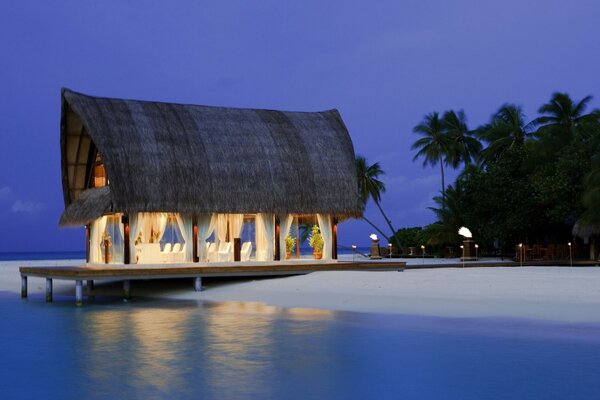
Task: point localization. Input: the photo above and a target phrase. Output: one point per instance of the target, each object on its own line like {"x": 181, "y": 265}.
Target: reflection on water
{"x": 242, "y": 350}
{"x": 148, "y": 344}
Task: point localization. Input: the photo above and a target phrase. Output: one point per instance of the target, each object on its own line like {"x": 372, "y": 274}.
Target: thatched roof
{"x": 199, "y": 159}
{"x": 584, "y": 230}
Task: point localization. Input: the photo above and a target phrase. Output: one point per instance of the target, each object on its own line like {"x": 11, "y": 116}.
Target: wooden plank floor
{"x": 124, "y": 271}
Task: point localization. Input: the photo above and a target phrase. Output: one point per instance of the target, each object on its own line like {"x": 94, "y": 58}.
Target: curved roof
{"x": 198, "y": 159}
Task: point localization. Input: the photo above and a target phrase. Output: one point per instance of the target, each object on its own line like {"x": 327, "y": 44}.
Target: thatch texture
{"x": 198, "y": 159}
{"x": 91, "y": 204}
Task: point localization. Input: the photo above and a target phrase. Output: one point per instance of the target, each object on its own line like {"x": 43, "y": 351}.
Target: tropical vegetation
{"x": 520, "y": 180}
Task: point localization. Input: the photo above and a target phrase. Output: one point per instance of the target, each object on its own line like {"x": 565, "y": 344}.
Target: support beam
{"x": 277, "y": 236}
{"x": 24, "y": 286}
{"x": 126, "y": 245}
{"x": 87, "y": 243}
{"x": 126, "y": 290}
{"x": 237, "y": 249}
{"x": 198, "y": 284}
{"x": 334, "y": 243}
{"x": 48, "y": 290}
{"x": 195, "y": 238}
{"x": 78, "y": 292}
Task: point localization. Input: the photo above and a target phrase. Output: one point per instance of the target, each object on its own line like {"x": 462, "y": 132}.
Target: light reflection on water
{"x": 236, "y": 350}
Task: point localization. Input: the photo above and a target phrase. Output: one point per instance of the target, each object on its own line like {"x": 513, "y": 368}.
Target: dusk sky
{"x": 383, "y": 65}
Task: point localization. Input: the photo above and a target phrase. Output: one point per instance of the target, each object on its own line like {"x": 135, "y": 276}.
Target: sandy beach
{"x": 548, "y": 293}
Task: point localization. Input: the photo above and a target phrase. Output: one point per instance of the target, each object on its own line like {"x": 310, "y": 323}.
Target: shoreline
{"x": 561, "y": 294}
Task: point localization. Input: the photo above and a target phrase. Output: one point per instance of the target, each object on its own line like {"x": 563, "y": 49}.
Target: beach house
{"x": 157, "y": 182}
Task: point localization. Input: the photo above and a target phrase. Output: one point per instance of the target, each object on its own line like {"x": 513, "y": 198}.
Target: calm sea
{"x": 156, "y": 349}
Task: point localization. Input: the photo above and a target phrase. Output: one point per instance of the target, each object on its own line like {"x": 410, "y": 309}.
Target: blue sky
{"x": 383, "y": 66}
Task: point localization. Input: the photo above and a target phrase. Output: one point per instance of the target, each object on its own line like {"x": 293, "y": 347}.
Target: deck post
{"x": 195, "y": 257}
{"x": 126, "y": 247}
{"x": 87, "y": 243}
{"x": 78, "y": 292}
{"x": 90, "y": 285}
{"x": 198, "y": 284}
{"x": 277, "y": 236}
{"x": 334, "y": 244}
{"x": 48, "y": 290}
{"x": 126, "y": 290}
{"x": 24, "y": 286}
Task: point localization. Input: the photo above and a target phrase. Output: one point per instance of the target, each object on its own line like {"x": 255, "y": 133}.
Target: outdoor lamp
{"x": 373, "y": 237}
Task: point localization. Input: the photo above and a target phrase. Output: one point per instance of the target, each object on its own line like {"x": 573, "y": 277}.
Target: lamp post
{"x": 570, "y": 254}
{"x": 390, "y": 250}
{"x": 521, "y": 253}
{"x": 423, "y": 251}
{"x": 463, "y": 254}
{"x": 353, "y": 253}
{"x": 476, "y": 251}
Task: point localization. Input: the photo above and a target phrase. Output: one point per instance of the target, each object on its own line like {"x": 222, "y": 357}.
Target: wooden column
{"x": 277, "y": 235}
{"x": 297, "y": 238}
{"x": 237, "y": 249}
{"x": 126, "y": 245}
{"x": 87, "y": 243}
{"x": 334, "y": 238}
{"x": 195, "y": 238}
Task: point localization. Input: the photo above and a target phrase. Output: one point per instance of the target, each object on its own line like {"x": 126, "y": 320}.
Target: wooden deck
{"x": 128, "y": 272}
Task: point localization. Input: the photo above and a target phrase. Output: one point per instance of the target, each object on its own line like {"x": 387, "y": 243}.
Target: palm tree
{"x": 507, "y": 129}
{"x": 562, "y": 118}
{"x": 464, "y": 146}
{"x": 435, "y": 146}
{"x": 370, "y": 187}
{"x": 449, "y": 216}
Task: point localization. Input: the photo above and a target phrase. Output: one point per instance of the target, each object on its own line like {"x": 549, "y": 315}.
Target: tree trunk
{"x": 389, "y": 224}
{"x": 376, "y": 228}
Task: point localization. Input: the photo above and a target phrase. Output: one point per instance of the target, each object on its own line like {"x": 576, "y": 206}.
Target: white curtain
{"x": 118, "y": 255}
{"x": 236, "y": 223}
{"x": 187, "y": 230}
{"x": 206, "y": 226}
{"x": 221, "y": 235}
{"x": 285, "y": 223}
{"x": 325, "y": 226}
{"x": 162, "y": 225}
{"x": 265, "y": 236}
{"x": 135, "y": 227}
{"x": 98, "y": 227}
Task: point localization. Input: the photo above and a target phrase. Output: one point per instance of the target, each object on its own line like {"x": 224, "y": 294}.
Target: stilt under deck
{"x": 129, "y": 272}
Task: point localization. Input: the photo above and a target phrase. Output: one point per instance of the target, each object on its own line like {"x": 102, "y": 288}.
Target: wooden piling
{"x": 78, "y": 292}
{"x": 126, "y": 290}
{"x": 198, "y": 284}
{"x": 24, "y": 286}
{"x": 48, "y": 290}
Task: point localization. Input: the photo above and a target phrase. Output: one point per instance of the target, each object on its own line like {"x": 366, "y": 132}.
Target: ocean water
{"x": 156, "y": 349}
{"x": 48, "y": 255}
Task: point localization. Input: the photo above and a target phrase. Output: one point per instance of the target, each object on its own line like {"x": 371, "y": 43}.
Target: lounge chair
{"x": 166, "y": 253}
{"x": 176, "y": 249}
{"x": 246, "y": 251}
{"x": 224, "y": 253}
{"x": 212, "y": 252}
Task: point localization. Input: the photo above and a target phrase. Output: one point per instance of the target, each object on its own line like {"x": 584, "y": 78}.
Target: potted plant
{"x": 315, "y": 240}
{"x": 290, "y": 245}
{"x": 106, "y": 244}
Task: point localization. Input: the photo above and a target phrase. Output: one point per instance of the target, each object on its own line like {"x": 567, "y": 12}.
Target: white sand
{"x": 549, "y": 293}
